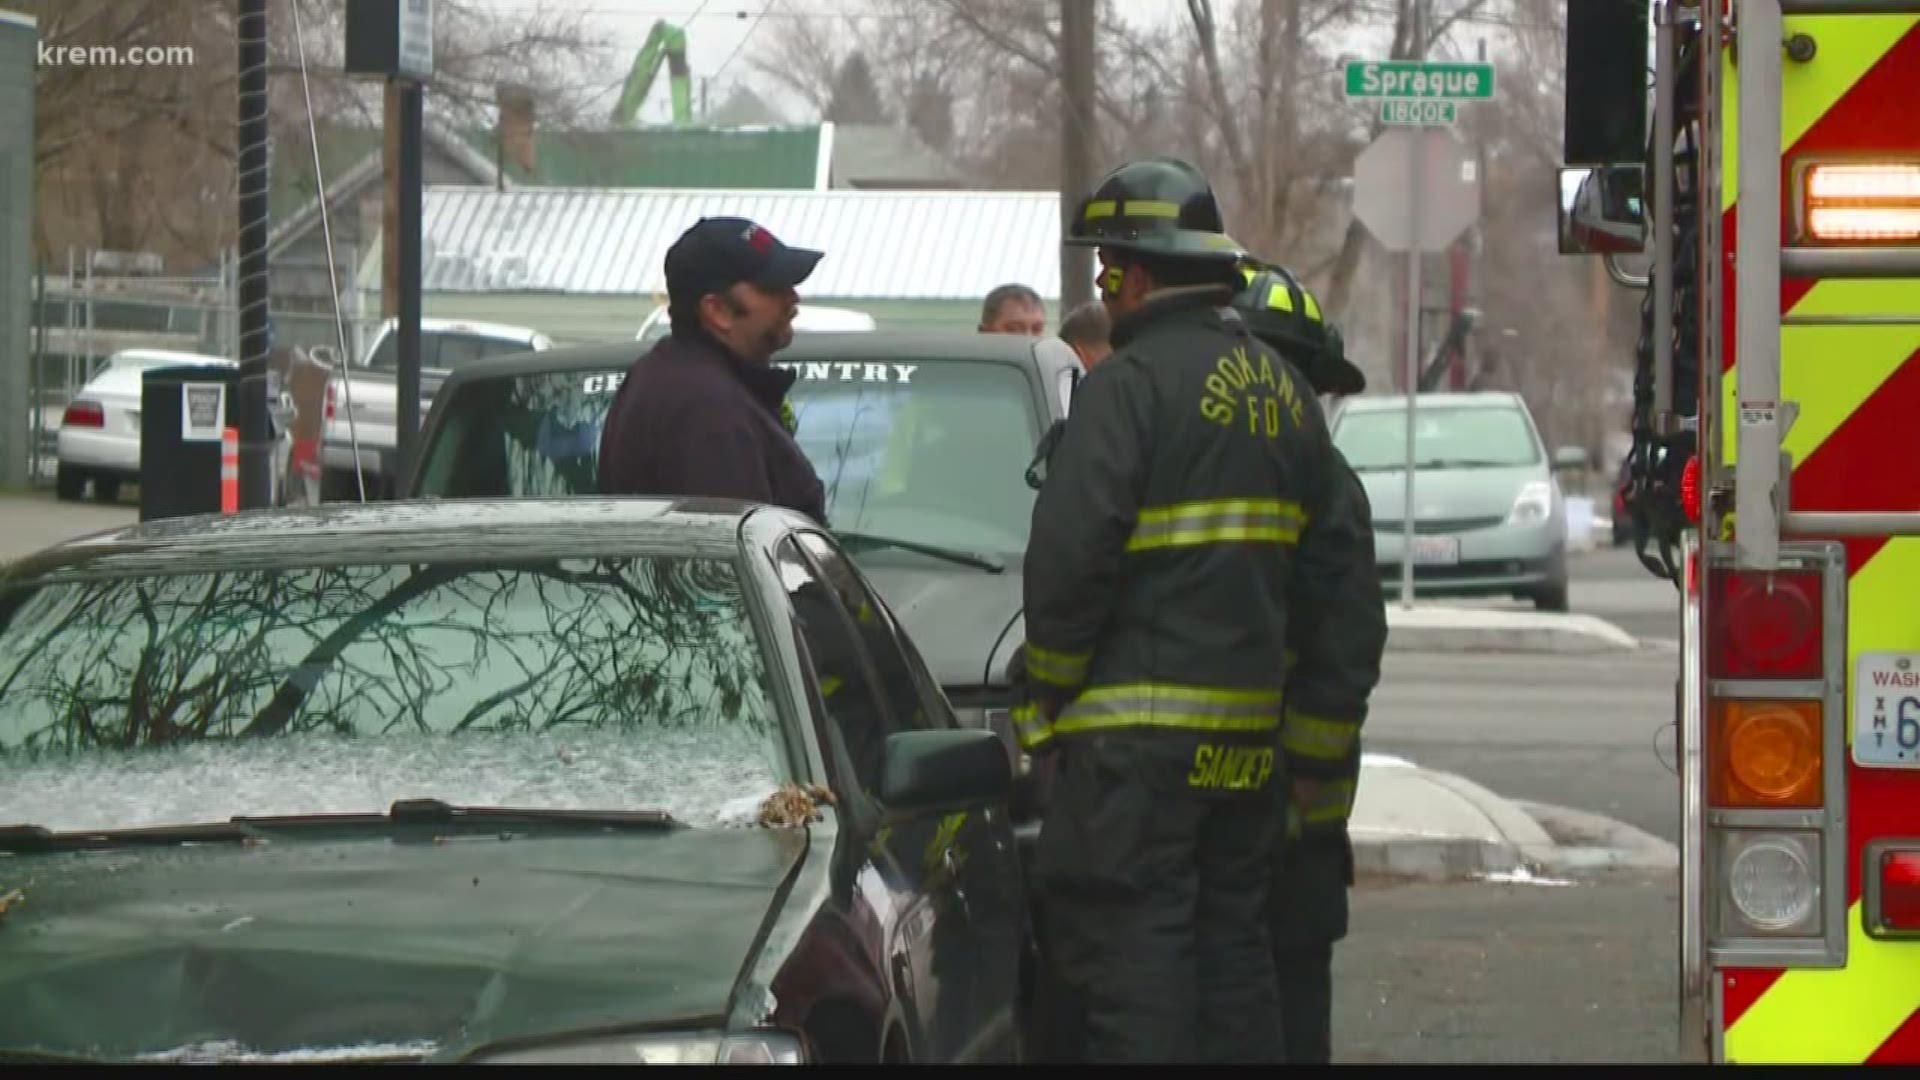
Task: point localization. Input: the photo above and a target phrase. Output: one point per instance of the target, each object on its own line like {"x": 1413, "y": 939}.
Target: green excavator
{"x": 665, "y": 43}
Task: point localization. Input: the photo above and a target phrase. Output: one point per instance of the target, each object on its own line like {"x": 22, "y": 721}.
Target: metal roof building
{"x": 904, "y": 245}
{"x": 586, "y": 264}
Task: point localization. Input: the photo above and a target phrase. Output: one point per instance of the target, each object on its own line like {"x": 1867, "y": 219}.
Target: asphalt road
{"x": 1592, "y": 732}
{"x": 1506, "y": 974}
{"x": 1493, "y": 973}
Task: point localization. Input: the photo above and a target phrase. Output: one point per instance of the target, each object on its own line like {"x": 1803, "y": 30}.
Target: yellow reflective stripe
{"x": 1169, "y": 705}
{"x": 1106, "y": 208}
{"x": 1029, "y": 728}
{"x": 1218, "y": 521}
{"x": 1318, "y": 737}
{"x": 1058, "y": 669}
{"x": 828, "y": 685}
{"x": 1331, "y": 803}
{"x": 1313, "y": 306}
{"x": 1831, "y": 1015}
{"x": 1280, "y": 298}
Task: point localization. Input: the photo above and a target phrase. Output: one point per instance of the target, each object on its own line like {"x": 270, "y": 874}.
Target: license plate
{"x": 1886, "y": 710}
{"x": 1436, "y": 550}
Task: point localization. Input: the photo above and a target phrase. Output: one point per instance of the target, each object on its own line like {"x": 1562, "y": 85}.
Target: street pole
{"x": 1076, "y": 142}
{"x": 407, "y": 422}
{"x": 256, "y": 438}
{"x": 1417, "y": 196}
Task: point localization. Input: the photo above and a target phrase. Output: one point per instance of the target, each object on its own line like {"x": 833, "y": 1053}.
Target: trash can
{"x": 186, "y": 414}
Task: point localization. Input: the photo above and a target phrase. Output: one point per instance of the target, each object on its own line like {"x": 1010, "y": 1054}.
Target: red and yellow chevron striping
{"x": 1855, "y": 446}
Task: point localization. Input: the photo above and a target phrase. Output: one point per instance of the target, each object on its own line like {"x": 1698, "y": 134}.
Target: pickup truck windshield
{"x": 933, "y": 451}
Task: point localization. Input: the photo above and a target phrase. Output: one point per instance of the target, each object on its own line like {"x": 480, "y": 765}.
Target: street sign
{"x": 1416, "y": 163}
{"x": 1415, "y": 79}
{"x": 1406, "y": 111}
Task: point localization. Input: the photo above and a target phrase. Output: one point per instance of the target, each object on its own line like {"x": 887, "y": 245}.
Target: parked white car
{"x": 99, "y": 437}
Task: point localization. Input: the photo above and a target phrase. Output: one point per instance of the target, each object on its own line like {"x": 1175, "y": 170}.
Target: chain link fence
{"x": 82, "y": 316}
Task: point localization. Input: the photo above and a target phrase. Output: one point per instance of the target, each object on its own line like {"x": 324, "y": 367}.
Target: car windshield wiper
{"x": 27, "y": 839}
{"x": 978, "y": 560}
{"x": 1462, "y": 463}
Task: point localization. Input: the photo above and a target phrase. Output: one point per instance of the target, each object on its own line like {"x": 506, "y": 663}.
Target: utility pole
{"x": 1414, "y": 181}
{"x": 1077, "y": 121}
{"x": 256, "y": 438}
{"x": 390, "y": 208}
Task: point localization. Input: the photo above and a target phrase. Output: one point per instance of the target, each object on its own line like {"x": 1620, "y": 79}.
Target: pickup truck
{"x": 924, "y": 442}
{"x": 363, "y": 400}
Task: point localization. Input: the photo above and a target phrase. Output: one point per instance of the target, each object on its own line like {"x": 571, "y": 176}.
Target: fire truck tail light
{"x": 1862, "y": 203}
{"x": 1766, "y": 626}
{"x": 1897, "y": 910}
{"x": 1690, "y": 489}
{"x": 1772, "y": 881}
{"x": 1765, "y": 755}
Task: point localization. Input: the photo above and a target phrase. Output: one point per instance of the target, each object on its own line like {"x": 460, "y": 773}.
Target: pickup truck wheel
{"x": 106, "y": 489}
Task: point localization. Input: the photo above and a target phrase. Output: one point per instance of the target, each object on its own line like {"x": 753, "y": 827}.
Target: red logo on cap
{"x": 761, "y": 239}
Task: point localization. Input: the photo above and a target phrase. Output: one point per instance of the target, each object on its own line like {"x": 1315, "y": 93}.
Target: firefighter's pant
{"x": 1155, "y": 901}
{"x": 1306, "y": 1002}
{"x": 1308, "y": 911}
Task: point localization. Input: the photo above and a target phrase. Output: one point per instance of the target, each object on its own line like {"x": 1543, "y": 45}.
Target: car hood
{"x": 956, "y": 618}
{"x": 327, "y": 946}
{"x": 1449, "y": 494}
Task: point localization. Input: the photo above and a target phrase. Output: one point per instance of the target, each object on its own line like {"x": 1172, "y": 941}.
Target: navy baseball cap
{"x": 717, "y": 253}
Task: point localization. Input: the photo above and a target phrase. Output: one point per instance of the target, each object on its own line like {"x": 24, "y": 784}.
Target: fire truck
{"x": 1775, "y": 478}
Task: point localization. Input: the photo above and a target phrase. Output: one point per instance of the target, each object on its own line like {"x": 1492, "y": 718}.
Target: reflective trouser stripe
{"x": 1056, "y": 668}
{"x": 1217, "y": 521}
{"x": 1330, "y": 807}
{"x": 1155, "y": 705}
{"x": 1318, "y": 737}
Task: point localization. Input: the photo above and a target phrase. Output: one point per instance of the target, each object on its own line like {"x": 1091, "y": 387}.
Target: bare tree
{"x": 142, "y": 157}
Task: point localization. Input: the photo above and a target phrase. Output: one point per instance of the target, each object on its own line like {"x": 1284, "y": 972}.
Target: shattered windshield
{"x": 617, "y": 683}
{"x": 933, "y": 451}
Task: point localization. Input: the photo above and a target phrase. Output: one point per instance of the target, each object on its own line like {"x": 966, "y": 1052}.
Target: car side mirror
{"x": 933, "y": 772}
{"x": 1569, "y": 457}
{"x": 1037, "y": 471}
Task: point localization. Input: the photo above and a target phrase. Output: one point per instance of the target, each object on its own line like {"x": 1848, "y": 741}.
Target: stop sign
{"x": 1385, "y": 185}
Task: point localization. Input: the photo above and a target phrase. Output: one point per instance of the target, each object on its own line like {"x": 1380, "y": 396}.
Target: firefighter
{"x": 1345, "y": 629}
{"x": 1195, "y": 469}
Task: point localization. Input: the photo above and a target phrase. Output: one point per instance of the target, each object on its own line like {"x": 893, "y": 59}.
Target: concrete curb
{"x": 1476, "y": 630}
{"x": 1588, "y": 842}
{"x": 1517, "y": 844}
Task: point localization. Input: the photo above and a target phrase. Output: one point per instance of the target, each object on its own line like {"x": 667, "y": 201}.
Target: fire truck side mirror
{"x": 1601, "y": 211}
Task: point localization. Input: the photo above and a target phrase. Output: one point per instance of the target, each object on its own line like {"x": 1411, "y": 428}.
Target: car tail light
{"x": 1766, "y": 626}
{"x": 84, "y": 414}
{"x": 1765, "y": 754}
{"x": 1861, "y": 202}
{"x": 333, "y": 395}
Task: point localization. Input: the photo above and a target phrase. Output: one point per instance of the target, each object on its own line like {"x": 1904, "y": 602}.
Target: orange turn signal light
{"x": 1765, "y": 755}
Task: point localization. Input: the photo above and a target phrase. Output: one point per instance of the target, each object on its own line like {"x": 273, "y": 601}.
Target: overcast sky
{"x": 721, "y": 33}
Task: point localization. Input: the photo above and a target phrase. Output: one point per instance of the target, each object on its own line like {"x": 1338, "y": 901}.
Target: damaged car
{"x": 537, "y": 781}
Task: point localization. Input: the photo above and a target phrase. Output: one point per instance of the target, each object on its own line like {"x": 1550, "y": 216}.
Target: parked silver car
{"x": 1489, "y": 518}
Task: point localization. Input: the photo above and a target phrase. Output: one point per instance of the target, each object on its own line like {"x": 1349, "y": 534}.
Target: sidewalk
{"x": 1439, "y": 628}
{"x": 1410, "y": 822}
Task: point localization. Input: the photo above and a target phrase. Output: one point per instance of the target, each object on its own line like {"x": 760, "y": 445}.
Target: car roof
{"x": 1473, "y": 399}
{"x": 852, "y": 346}
{"x": 424, "y": 530}
{"x": 486, "y": 329}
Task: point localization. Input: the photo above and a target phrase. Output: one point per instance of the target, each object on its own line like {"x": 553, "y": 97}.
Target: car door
{"x": 970, "y": 865}
{"x": 925, "y": 945}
